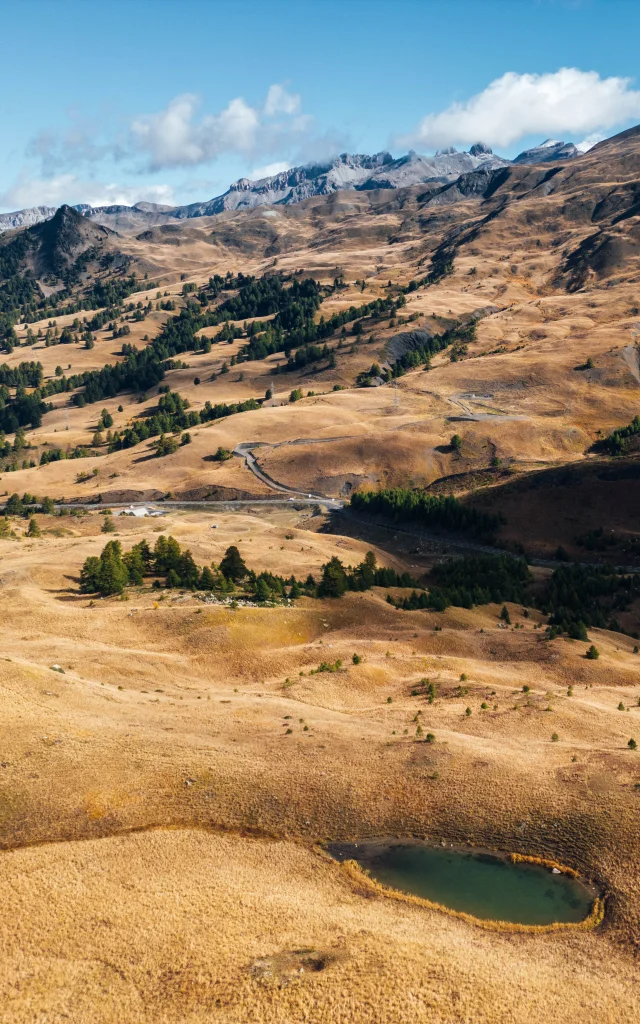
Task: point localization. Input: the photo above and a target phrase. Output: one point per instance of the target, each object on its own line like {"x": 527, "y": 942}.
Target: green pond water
{"x": 477, "y": 883}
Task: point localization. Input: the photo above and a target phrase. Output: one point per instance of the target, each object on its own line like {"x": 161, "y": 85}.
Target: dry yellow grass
{"x": 158, "y": 821}
{"x": 174, "y": 714}
{"x": 187, "y": 926}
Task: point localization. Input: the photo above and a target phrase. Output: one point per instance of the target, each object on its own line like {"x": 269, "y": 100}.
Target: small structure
{"x": 139, "y": 511}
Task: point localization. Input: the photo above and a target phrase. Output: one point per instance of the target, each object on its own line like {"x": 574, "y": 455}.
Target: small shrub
{"x": 554, "y": 737}
{"x": 593, "y": 653}
{"x": 356, "y": 659}
{"x": 632, "y": 745}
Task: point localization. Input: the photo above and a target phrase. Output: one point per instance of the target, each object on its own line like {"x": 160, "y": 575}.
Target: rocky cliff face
{"x": 26, "y": 218}
{"x": 347, "y": 171}
{"x": 548, "y": 151}
{"x": 292, "y": 186}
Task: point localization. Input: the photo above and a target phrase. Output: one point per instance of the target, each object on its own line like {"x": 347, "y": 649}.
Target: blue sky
{"x": 171, "y": 100}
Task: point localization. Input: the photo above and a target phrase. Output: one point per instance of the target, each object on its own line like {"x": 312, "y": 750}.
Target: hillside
{"x": 347, "y": 171}
{"x": 383, "y": 397}
{"x": 532, "y": 336}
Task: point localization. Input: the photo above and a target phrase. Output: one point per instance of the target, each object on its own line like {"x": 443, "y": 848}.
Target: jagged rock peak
{"x": 548, "y": 151}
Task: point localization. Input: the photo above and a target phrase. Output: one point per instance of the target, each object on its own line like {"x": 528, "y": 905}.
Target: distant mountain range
{"x": 346, "y": 171}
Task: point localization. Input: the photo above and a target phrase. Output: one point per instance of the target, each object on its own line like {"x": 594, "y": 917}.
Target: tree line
{"x": 173, "y": 415}
{"x": 587, "y": 595}
{"x": 617, "y": 442}
{"x": 446, "y": 512}
{"x": 171, "y": 567}
{"x": 27, "y": 375}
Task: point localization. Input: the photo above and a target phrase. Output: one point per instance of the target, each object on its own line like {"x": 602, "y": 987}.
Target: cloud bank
{"x": 69, "y": 188}
{"x": 568, "y": 101}
{"x": 175, "y": 137}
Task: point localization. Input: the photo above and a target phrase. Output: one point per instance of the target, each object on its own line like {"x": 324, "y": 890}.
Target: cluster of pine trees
{"x": 24, "y": 506}
{"x": 22, "y": 410}
{"x": 173, "y": 415}
{"x": 293, "y": 302}
{"x": 171, "y": 566}
{"x": 617, "y": 443}
{"x": 337, "y": 579}
{"x": 577, "y": 596}
{"x": 26, "y": 375}
{"x": 471, "y": 580}
{"x": 447, "y": 512}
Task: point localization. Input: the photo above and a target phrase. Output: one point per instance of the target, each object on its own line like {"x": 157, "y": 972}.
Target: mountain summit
{"x": 347, "y": 171}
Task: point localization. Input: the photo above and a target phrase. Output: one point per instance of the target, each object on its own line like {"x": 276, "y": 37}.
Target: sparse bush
{"x": 34, "y": 529}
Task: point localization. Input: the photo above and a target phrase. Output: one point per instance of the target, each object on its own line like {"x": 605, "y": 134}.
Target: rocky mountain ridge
{"x": 346, "y": 172}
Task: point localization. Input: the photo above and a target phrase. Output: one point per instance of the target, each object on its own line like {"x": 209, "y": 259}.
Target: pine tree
{"x": 34, "y": 529}
{"x": 187, "y": 570}
{"x": 334, "y": 579}
{"x": 90, "y": 575}
{"x": 113, "y": 576}
{"x": 262, "y": 590}
{"x": 207, "y": 581}
{"x": 108, "y": 526}
{"x": 135, "y": 566}
{"x": 232, "y": 565}
{"x": 14, "y": 506}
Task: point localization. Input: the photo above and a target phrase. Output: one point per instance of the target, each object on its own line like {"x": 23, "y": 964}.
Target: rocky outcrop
{"x": 346, "y": 172}
{"x": 547, "y": 151}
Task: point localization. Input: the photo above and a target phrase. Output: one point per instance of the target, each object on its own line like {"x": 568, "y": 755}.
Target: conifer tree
{"x": 34, "y": 529}
{"x": 232, "y": 565}
{"x": 334, "y": 579}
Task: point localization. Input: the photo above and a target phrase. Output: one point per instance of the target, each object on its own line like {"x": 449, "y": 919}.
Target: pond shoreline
{"x": 372, "y": 852}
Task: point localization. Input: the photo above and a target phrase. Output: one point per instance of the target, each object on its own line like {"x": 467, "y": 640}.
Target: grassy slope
{"x": 83, "y": 758}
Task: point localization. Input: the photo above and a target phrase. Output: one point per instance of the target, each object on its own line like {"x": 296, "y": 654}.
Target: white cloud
{"x": 568, "y": 101}
{"x": 279, "y": 101}
{"x": 174, "y": 137}
{"x": 590, "y": 141}
{"x": 68, "y": 188}
{"x": 268, "y": 170}
{"x": 168, "y": 136}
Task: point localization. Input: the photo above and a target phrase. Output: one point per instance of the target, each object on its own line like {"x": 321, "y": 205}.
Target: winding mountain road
{"x": 245, "y": 451}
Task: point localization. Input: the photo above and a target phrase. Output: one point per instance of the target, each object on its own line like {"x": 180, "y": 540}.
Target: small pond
{"x": 482, "y": 884}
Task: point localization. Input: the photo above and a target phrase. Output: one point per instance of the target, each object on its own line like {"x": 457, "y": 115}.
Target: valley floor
{"x": 160, "y": 822}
